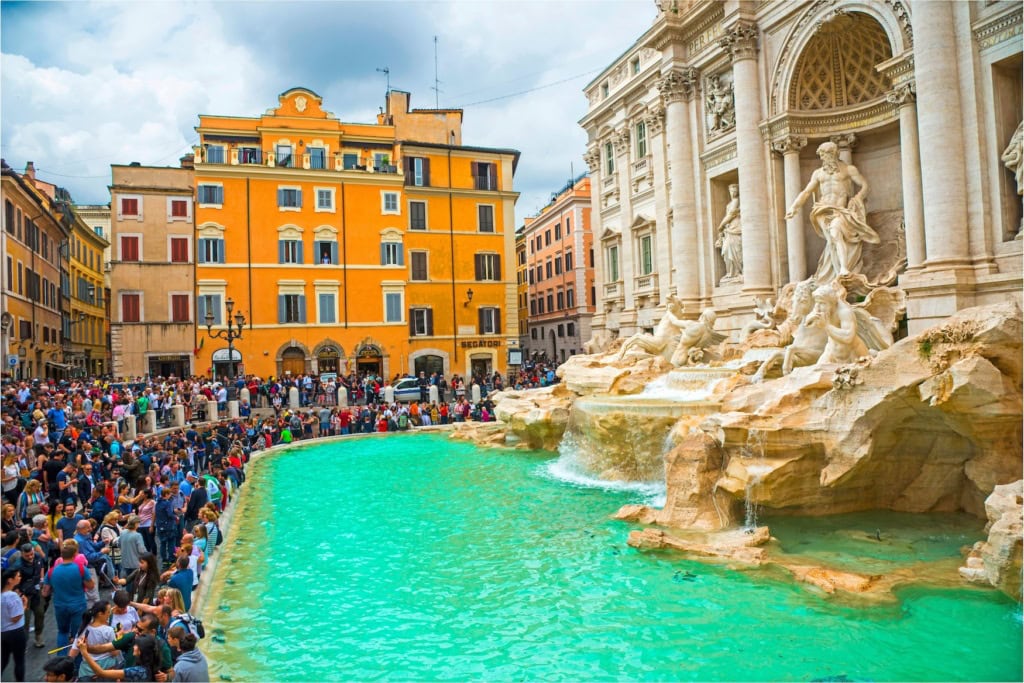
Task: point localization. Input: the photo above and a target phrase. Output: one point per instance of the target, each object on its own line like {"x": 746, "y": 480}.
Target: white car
{"x": 407, "y": 390}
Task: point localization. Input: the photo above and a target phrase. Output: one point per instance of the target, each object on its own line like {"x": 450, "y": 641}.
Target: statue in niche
{"x": 659, "y": 343}
{"x": 1013, "y": 159}
{"x": 838, "y": 215}
{"x": 730, "y": 239}
{"x": 719, "y": 104}
{"x": 696, "y": 336}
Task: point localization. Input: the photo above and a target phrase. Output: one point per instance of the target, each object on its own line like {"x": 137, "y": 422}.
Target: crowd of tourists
{"x": 111, "y": 536}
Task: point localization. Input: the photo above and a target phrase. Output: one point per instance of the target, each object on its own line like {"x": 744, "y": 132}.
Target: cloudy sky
{"x": 89, "y": 84}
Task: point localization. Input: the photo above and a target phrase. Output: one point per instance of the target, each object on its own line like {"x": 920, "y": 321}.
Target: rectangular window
{"x": 215, "y": 154}
{"x": 326, "y": 252}
{"x": 324, "y": 199}
{"x": 485, "y": 176}
{"x": 289, "y": 198}
{"x": 9, "y": 216}
{"x": 641, "y": 140}
{"x": 129, "y": 248}
{"x": 568, "y": 224}
{"x": 489, "y": 320}
{"x": 208, "y": 304}
{"x": 613, "y": 264}
{"x": 380, "y": 160}
{"x": 570, "y": 329}
{"x": 10, "y": 274}
{"x": 349, "y": 161}
{"x": 551, "y": 302}
{"x": 211, "y": 194}
{"x": 291, "y": 308}
{"x": 391, "y": 254}
{"x": 487, "y": 267}
{"x": 417, "y": 215}
{"x": 568, "y": 261}
{"x": 634, "y": 65}
{"x": 179, "y": 208}
{"x": 284, "y": 155}
{"x": 646, "y": 257}
{"x": 530, "y": 273}
{"x": 547, "y": 238}
{"x": 210, "y": 250}
{"x": 317, "y": 157}
{"x": 393, "y": 307}
{"x": 289, "y": 251}
{"x": 250, "y": 155}
{"x": 179, "y": 249}
{"x": 179, "y": 308}
{"x": 570, "y": 298}
{"x": 485, "y": 218}
{"x": 25, "y": 329}
{"x": 390, "y": 202}
{"x": 417, "y": 171}
{"x": 129, "y": 206}
{"x": 540, "y": 304}
{"x": 418, "y": 262}
{"x": 533, "y": 308}
{"x": 540, "y": 273}
{"x": 561, "y": 330}
{"x": 421, "y": 322}
{"x": 130, "y": 308}
{"x": 609, "y": 159}
{"x": 547, "y": 269}
{"x": 326, "y": 303}
{"x": 558, "y": 266}
{"x": 558, "y": 231}
{"x": 560, "y": 297}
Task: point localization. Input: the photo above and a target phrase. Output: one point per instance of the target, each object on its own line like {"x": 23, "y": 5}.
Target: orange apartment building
{"x": 381, "y": 247}
{"x": 560, "y": 274}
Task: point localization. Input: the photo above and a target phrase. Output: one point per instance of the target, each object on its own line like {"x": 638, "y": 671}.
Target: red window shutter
{"x": 130, "y": 308}
{"x": 129, "y": 207}
{"x": 179, "y": 308}
{"x": 179, "y": 250}
{"x": 129, "y": 248}
{"x": 179, "y": 208}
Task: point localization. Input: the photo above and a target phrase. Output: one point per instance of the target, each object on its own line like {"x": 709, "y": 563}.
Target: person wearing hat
{"x": 196, "y": 500}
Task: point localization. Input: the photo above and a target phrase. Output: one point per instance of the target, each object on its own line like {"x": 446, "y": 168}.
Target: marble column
{"x": 664, "y": 245}
{"x": 740, "y": 41}
{"x": 910, "y": 161}
{"x": 677, "y": 88}
{"x": 789, "y": 147}
{"x": 621, "y": 144}
{"x": 940, "y": 125}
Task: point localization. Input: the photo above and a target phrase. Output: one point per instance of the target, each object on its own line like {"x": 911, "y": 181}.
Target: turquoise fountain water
{"x": 418, "y": 558}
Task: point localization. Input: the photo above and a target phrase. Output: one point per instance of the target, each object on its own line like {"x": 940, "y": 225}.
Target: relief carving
{"x": 719, "y": 105}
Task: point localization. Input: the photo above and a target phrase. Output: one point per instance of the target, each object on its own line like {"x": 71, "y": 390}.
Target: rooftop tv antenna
{"x": 387, "y": 74}
{"x": 437, "y": 83}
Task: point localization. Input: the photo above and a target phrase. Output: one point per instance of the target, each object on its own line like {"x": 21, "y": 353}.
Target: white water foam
{"x": 566, "y": 470}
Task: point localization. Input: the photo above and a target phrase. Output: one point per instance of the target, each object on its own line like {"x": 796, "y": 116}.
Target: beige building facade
{"x": 704, "y": 133}
{"x": 152, "y": 274}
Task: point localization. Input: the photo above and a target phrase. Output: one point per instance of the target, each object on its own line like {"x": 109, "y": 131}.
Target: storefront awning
{"x": 60, "y": 366}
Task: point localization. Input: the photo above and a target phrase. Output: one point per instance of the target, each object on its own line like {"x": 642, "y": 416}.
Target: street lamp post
{"x": 229, "y": 334}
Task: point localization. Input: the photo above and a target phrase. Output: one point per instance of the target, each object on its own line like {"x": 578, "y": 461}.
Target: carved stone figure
{"x": 720, "y": 106}
{"x": 696, "y": 336}
{"x": 836, "y": 317}
{"x": 660, "y": 342}
{"x": 804, "y": 344}
{"x": 764, "y": 317}
{"x": 1013, "y": 159}
{"x": 599, "y": 341}
{"x": 730, "y": 239}
{"x": 838, "y": 214}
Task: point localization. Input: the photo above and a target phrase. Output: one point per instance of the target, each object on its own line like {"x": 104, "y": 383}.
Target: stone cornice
{"x": 995, "y": 30}
{"x": 718, "y": 155}
{"x": 819, "y": 124}
{"x": 740, "y": 40}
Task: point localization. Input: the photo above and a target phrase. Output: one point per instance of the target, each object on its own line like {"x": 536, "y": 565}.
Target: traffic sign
{"x": 13, "y": 361}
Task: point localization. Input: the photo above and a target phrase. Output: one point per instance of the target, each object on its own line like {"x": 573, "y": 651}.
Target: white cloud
{"x": 121, "y": 82}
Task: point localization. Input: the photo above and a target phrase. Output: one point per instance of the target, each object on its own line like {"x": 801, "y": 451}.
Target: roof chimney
{"x": 188, "y": 161}
{"x": 30, "y": 171}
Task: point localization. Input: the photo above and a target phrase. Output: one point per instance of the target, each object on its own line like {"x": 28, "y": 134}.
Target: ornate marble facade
{"x": 923, "y": 97}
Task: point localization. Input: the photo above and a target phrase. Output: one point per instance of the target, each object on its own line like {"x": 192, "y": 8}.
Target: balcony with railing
{"x": 311, "y": 159}
{"x": 645, "y": 284}
{"x": 613, "y": 290}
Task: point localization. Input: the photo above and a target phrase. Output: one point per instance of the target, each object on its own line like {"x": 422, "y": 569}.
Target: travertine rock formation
{"x": 997, "y": 561}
